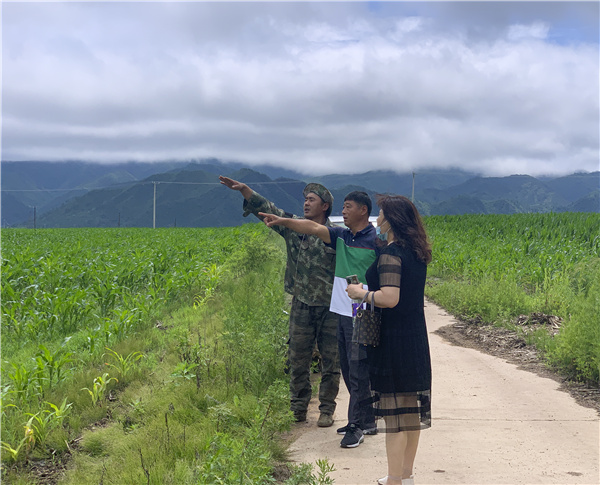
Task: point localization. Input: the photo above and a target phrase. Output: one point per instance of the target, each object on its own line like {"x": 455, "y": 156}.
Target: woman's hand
{"x": 356, "y": 292}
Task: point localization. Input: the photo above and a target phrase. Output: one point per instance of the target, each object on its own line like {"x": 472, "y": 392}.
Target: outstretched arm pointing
{"x": 303, "y": 226}
{"x": 235, "y": 185}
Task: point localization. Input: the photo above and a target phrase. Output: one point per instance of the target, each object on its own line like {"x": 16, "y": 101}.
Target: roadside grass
{"x": 576, "y": 350}
{"x": 199, "y": 395}
{"x": 494, "y": 269}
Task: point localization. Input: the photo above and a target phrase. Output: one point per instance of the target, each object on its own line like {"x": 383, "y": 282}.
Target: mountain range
{"x": 188, "y": 194}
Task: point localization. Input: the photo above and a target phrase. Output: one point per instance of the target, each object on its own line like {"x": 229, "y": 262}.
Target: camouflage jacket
{"x": 310, "y": 264}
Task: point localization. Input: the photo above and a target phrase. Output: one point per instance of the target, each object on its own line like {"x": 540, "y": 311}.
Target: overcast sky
{"x": 318, "y": 87}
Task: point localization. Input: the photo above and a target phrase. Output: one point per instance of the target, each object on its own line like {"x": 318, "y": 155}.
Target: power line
{"x": 219, "y": 183}
{"x": 44, "y": 190}
{"x": 145, "y": 182}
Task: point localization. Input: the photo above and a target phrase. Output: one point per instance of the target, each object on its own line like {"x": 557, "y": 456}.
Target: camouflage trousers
{"x": 310, "y": 325}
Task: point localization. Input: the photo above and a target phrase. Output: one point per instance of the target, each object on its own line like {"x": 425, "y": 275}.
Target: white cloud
{"x": 537, "y": 30}
{"x": 328, "y": 87}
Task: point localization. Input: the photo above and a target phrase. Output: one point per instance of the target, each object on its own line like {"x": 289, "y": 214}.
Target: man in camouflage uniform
{"x": 309, "y": 279}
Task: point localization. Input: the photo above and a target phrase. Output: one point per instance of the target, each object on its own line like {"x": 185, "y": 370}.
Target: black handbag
{"x": 367, "y": 324}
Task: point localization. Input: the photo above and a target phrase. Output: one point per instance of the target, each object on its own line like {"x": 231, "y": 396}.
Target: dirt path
{"x": 493, "y": 423}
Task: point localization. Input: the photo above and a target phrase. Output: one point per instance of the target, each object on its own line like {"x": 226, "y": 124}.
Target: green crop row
{"x": 58, "y": 282}
{"x": 529, "y": 246}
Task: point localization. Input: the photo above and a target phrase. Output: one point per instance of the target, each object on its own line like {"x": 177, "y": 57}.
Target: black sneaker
{"x": 343, "y": 430}
{"x": 370, "y": 430}
{"x": 353, "y": 437}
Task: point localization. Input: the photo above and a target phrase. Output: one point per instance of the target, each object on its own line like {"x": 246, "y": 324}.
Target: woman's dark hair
{"x": 406, "y": 223}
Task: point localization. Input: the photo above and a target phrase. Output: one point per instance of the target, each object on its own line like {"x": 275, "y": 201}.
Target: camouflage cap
{"x": 322, "y": 192}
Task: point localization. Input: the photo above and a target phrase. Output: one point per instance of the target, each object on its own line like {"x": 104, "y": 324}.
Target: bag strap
{"x": 372, "y": 301}
{"x": 364, "y": 300}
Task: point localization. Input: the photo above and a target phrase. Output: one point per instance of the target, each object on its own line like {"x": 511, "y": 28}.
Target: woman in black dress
{"x": 400, "y": 367}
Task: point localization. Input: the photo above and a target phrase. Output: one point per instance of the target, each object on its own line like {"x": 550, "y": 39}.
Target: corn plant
{"x": 107, "y": 295}
{"x": 53, "y": 363}
{"x": 92, "y": 339}
{"x": 40, "y": 423}
{"x": 123, "y": 322}
{"x": 43, "y": 422}
{"x": 23, "y": 381}
{"x": 210, "y": 280}
{"x": 25, "y": 445}
{"x": 99, "y": 387}
{"x": 59, "y": 413}
{"x": 123, "y": 365}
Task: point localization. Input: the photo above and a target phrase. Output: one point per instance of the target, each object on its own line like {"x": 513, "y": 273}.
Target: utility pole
{"x": 154, "y": 208}
{"x": 412, "y": 199}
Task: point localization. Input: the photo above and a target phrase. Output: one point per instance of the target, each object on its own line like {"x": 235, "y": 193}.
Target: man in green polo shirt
{"x": 356, "y": 246}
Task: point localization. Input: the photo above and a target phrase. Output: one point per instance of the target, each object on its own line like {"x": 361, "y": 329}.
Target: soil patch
{"x": 512, "y": 347}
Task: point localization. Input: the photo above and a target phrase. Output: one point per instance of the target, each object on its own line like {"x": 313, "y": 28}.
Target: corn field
{"x": 57, "y": 282}
{"x": 532, "y": 247}
{"x": 143, "y": 356}
{"x": 70, "y": 297}
{"x": 497, "y": 267}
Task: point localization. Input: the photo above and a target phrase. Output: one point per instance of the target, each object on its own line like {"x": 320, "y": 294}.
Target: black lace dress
{"x": 400, "y": 367}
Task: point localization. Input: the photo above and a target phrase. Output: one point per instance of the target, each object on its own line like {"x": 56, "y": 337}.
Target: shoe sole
{"x": 366, "y": 432}
{"x": 360, "y": 440}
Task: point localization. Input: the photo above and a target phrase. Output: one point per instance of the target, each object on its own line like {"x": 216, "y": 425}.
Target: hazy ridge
{"x": 188, "y": 194}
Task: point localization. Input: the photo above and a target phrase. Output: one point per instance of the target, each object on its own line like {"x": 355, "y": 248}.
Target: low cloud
{"x": 320, "y": 88}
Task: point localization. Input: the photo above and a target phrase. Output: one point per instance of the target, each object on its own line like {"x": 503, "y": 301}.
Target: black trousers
{"x": 355, "y": 371}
